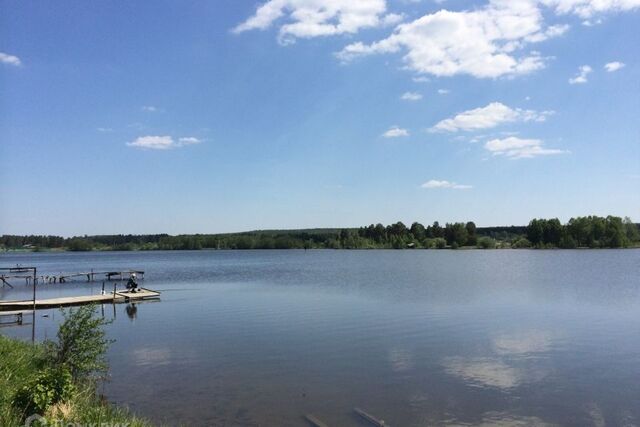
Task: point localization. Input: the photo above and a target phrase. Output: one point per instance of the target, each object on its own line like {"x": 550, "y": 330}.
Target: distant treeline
{"x": 580, "y": 232}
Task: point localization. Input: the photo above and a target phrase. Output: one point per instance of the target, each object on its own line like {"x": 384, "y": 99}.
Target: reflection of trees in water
{"x": 132, "y": 311}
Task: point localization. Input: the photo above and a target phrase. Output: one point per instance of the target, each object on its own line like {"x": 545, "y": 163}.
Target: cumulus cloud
{"x": 443, "y": 91}
{"x": 588, "y": 8}
{"x": 5, "y": 58}
{"x": 581, "y": 76}
{"x": 411, "y": 96}
{"x": 519, "y": 148}
{"x": 613, "y": 66}
{"x": 482, "y": 42}
{"x": 492, "y": 115}
{"x": 162, "y": 142}
{"x": 434, "y": 183}
{"x": 395, "y": 132}
{"x": 313, "y": 18}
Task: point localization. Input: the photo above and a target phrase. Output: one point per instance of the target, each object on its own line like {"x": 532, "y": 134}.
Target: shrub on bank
{"x": 486, "y": 243}
{"x": 58, "y": 380}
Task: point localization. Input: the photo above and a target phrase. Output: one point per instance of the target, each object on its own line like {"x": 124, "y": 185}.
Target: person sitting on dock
{"x": 132, "y": 285}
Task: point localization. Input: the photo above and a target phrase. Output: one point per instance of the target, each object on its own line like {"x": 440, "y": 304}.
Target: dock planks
{"x": 370, "y": 418}
{"x": 117, "y": 297}
{"x": 314, "y": 421}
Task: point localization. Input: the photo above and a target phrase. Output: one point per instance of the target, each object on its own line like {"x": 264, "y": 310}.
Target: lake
{"x": 417, "y": 338}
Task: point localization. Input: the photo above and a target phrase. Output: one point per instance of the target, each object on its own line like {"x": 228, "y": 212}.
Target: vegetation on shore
{"x": 58, "y": 380}
{"x": 580, "y": 232}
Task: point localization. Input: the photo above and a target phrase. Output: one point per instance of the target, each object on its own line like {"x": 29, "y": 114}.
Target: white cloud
{"x": 421, "y": 79}
{"x": 588, "y": 8}
{"x": 190, "y": 140}
{"x": 481, "y": 42}
{"x": 411, "y": 96}
{"x": 149, "y": 108}
{"x": 519, "y": 148}
{"x": 392, "y": 19}
{"x": 581, "y": 77}
{"x": 395, "y": 132}
{"x": 443, "y": 91}
{"x": 313, "y": 18}
{"x": 104, "y": 129}
{"x": 590, "y": 23}
{"x": 613, "y": 66}
{"x": 492, "y": 115}
{"x": 5, "y": 58}
{"x": 162, "y": 142}
{"x": 434, "y": 183}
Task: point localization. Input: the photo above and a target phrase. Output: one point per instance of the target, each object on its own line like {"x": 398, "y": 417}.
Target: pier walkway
{"x": 109, "y": 298}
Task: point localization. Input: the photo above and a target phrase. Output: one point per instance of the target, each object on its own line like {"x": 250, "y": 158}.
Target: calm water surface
{"x": 417, "y": 338}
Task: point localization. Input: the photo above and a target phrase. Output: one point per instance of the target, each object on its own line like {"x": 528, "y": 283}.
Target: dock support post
{"x": 33, "y": 324}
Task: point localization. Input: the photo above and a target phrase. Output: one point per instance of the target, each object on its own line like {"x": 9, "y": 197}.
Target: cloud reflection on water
{"x": 401, "y": 360}
{"x": 522, "y": 344}
{"x": 504, "y": 369}
{"x": 484, "y": 371}
{"x": 152, "y": 356}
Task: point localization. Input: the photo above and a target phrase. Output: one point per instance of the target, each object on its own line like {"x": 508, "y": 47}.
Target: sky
{"x": 227, "y": 115}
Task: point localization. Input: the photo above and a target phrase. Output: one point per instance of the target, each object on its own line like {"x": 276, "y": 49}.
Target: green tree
{"x": 535, "y": 231}
{"x": 397, "y": 229}
{"x": 471, "y": 231}
{"x": 456, "y": 233}
{"x": 553, "y": 232}
{"x": 81, "y": 344}
{"x": 435, "y": 230}
{"x": 631, "y": 230}
{"x": 418, "y": 231}
{"x": 615, "y": 232}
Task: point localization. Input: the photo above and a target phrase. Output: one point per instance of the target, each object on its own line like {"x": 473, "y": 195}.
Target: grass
{"x": 20, "y": 363}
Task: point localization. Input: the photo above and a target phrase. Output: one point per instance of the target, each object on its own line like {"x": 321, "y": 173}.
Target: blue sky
{"x": 217, "y": 116}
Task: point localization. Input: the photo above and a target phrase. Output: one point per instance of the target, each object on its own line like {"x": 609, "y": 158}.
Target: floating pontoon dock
{"x": 315, "y": 422}
{"x": 370, "y": 418}
{"x": 109, "y": 298}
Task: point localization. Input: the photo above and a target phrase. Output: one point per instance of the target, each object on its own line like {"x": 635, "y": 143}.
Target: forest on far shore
{"x": 579, "y": 232}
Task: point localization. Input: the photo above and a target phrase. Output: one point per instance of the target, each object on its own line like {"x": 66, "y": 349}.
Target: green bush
{"x": 486, "y": 243}
{"x": 522, "y": 242}
{"x": 81, "y": 344}
{"x": 50, "y": 386}
{"x": 440, "y": 243}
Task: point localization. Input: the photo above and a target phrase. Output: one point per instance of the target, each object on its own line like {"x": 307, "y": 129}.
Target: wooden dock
{"x": 16, "y": 317}
{"x": 108, "y": 298}
{"x": 90, "y": 275}
{"x": 314, "y": 421}
{"x": 370, "y": 418}
{"x": 65, "y": 277}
